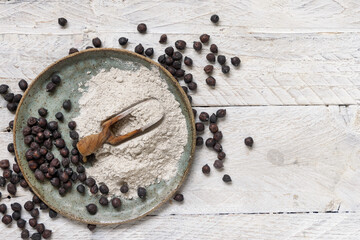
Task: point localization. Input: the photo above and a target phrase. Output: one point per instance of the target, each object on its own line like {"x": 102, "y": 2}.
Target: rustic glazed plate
{"x": 74, "y": 70}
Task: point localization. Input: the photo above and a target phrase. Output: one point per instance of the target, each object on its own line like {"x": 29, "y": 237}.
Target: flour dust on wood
{"x": 145, "y": 159}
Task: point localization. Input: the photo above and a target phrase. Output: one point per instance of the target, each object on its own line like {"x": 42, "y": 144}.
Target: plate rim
{"x": 183, "y": 96}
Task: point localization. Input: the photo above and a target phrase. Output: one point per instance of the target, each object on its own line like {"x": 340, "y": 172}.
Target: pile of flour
{"x": 147, "y": 158}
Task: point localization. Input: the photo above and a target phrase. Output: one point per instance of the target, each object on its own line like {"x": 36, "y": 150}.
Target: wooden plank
{"x": 343, "y": 226}
{"x": 304, "y": 159}
{"x": 284, "y": 62}
{"x": 35, "y": 16}
{"x": 277, "y": 69}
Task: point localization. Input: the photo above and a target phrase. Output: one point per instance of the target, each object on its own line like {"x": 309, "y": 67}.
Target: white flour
{"x": 145, "y": 159}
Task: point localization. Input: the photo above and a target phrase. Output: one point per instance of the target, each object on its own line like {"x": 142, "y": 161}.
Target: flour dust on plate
{"x": 144, "y": 159}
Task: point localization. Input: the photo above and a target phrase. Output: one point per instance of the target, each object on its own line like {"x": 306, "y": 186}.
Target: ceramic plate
{"x": 73, "y": 70}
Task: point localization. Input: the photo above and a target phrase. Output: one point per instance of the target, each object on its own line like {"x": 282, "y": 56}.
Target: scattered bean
{"x": 104, "y": 189}
{"x": 3, "y": 88}
{"x": 124, "y": 188}
{"x": 204, "y": 38}
{"x": 16, "y": 216}
{"x": 72, "y": 125}
{"x": 52, "y": 213}
{"x": 3, "y": 208}
{"x": 12, "y": 107}
{"x": 180, "y": 44}
{"x": 36, "y": 236}
{"x": 210, "y": 142}
{"x": 74, "y": 135}
{"x": 208, "y": 69}
{"x": 62, "y": 21}
{"x": 213, "y": 128}
{"x": 199, "y": 141}
{"x": 199, "y": 127}
{"x": 206, "y": 169}
{"x": 35, "y": 213}
{"x": 179, "y": 73}
{"x": 149, "y": 52}
{"x": 218, "y": 164}
{"x": 50, "y": 87}
{"x": 192, "y": 86}
{"x": 11, "y": 188}
{"x": 42, "y": 112}
{"x": 226, "y": 178}
{"x": 59, "y": 143}
{"x": 221, "y": 113}
{"x": 188, "y": 61}
{"x": 23, "y": 85}
{"x": 161, "y": 59}
{"x": 67, "y": 105}
{"x": 91, "y": 227}
{"x": 116, "y": 202}
{"x": 91, "y": 208}
{"x": 235, "y": 61}
{"x": 94, "y": 189}
{"x": 211, "y": 81}
{"x": 39, "y": 175}
{"x": 73, "y": 50}
{"x": 46, "y": 234}
{"x": 141, "y": 192}
{"x": 16, "y": 207}
{"x": 2, "y": 181}
{"x": 214, "y": 18}
{"x": 80, "y": 188}
{"x": 6, "y": 219}
{"x": 36, "y": 199}
{"x": 17, "y": 98}
{"x": 211, "y": 57}
{"x": 177, "y": 56}
{"x": 177, "y": 64}
{"x": 4, "y": 164}
{"x": 218, "y": 136}
{"x": 90, "y": 182}
{"x": 96, "y": 42}
{"x": 56, "y": 79}
{"x": 179, "y": 197}
{"x": 163, "y": 38}
{"x": 142, "y": 28}
{"x": 123, "y": 41}
{"x": 139, "y": 49}
{"x": 197, "y": 46}
{"x": 225, "y": 69}
{"x": 204, "y": 116}
{"x": 59, "y": 116}
{"x": 103, "y": 201}
{"x": 21, "y": 223}
{"x": 9, "y": 97}
{"x": 249, "y": 141}
{"x": 217, "y": 147}
{"x": 213, "y": 48}
{"x": 55, "y": 182}
{"x": 25, "y": 234}
{"x": 23, "y": 183}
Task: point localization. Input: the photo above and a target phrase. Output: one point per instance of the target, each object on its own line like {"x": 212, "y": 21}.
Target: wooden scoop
{"x": 92, "y": 143}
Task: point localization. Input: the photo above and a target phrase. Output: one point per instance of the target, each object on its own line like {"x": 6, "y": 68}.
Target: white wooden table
{"x": 296, "y": 94}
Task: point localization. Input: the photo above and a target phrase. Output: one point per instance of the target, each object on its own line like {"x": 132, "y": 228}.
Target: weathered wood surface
{"x": 305, "y": 158}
